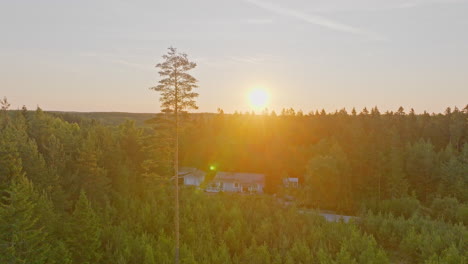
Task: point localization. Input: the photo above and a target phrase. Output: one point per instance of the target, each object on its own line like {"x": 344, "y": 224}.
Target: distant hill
{"x": 113, "y": 118}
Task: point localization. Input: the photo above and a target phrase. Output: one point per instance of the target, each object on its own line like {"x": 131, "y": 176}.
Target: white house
{"x": 237, "y": 182}
{"x": 291, "y": 182}
{"x": 191, "y": 176}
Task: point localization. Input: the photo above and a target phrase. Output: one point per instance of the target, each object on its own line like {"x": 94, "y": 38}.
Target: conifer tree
{"x": 22, "y": 240}
{"x": 91, "y": 176}
{"x": 397, "y": 185}
{"x": 420, "y": 166}
{"x": 4, "y": 106}
{"x": 176, "y": 88}
{"x": 149, "y": 256}
{"x": 85, "y": 232}
{"x": 10, "y": 160}
{"x": 344, "y": 257}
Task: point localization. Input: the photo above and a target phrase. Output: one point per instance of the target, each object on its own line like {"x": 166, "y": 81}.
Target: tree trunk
{"x": 176, "y": 170}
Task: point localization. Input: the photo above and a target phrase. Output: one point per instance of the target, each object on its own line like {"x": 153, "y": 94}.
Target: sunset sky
{"x": 100, "y": 55}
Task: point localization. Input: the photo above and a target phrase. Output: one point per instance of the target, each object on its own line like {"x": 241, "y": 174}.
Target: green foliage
{"x": 417, "y": 239}
{"x": 149, "y": 255}
{"x": 84, "y": 235}
{"x": 11, "y": 165}
{"x": 328, "y": 174}
{"x": 92, "y": 176}
{"x": 449, "y": 209}
{"x": 420, "y": 164}
{"x": 405, "y": 206}
{"x": 176, "y": 84}
{"x": 345, "y": 162}
{"x": 22, "y": 239}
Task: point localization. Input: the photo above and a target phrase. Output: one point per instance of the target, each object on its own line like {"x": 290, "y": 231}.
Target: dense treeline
{"x": 75, "y": 191}
{"x": 343, "y": 159}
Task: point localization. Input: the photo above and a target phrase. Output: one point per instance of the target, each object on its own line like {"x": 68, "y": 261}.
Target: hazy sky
{"x": 309, "y": 54}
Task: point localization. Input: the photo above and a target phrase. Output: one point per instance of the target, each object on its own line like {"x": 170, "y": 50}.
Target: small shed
{"x": 191, "y": 176}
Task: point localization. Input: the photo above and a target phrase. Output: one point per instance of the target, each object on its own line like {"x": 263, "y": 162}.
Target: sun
{"x": 258, "y": 98}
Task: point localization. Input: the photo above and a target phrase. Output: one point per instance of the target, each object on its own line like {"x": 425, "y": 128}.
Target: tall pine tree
{"x": 176, "y": 88}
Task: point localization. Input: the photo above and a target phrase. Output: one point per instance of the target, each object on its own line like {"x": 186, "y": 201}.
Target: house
{"x": 291, "y": 182}
{"x": 237, "y": 182}
{"x": 191, "y": 176}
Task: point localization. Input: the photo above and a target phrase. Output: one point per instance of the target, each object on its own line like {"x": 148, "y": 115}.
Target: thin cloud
{"x": 258, "y": 21}
{"x": 417, "y": 3}
{"x": 312, "y": 19}
{"x": 247, "y": 59}
{"x": 116, "y": 59}
{"x": 253, "y": 59}
{"x": 134, "y": 65}
{"x": 336, "y": 6}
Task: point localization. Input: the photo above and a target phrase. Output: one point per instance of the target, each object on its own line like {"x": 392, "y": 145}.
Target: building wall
{"x": 231, "y": 187}
{"x": 260, "y": 188}
{"x": 190, "y": 180}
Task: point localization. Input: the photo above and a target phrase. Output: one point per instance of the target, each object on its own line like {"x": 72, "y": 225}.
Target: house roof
{"x": 240, "y": 177}
{"x": 191, "y": 172}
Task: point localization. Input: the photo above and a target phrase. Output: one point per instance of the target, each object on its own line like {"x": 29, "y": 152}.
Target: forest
{"x": 77, "y": 189}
